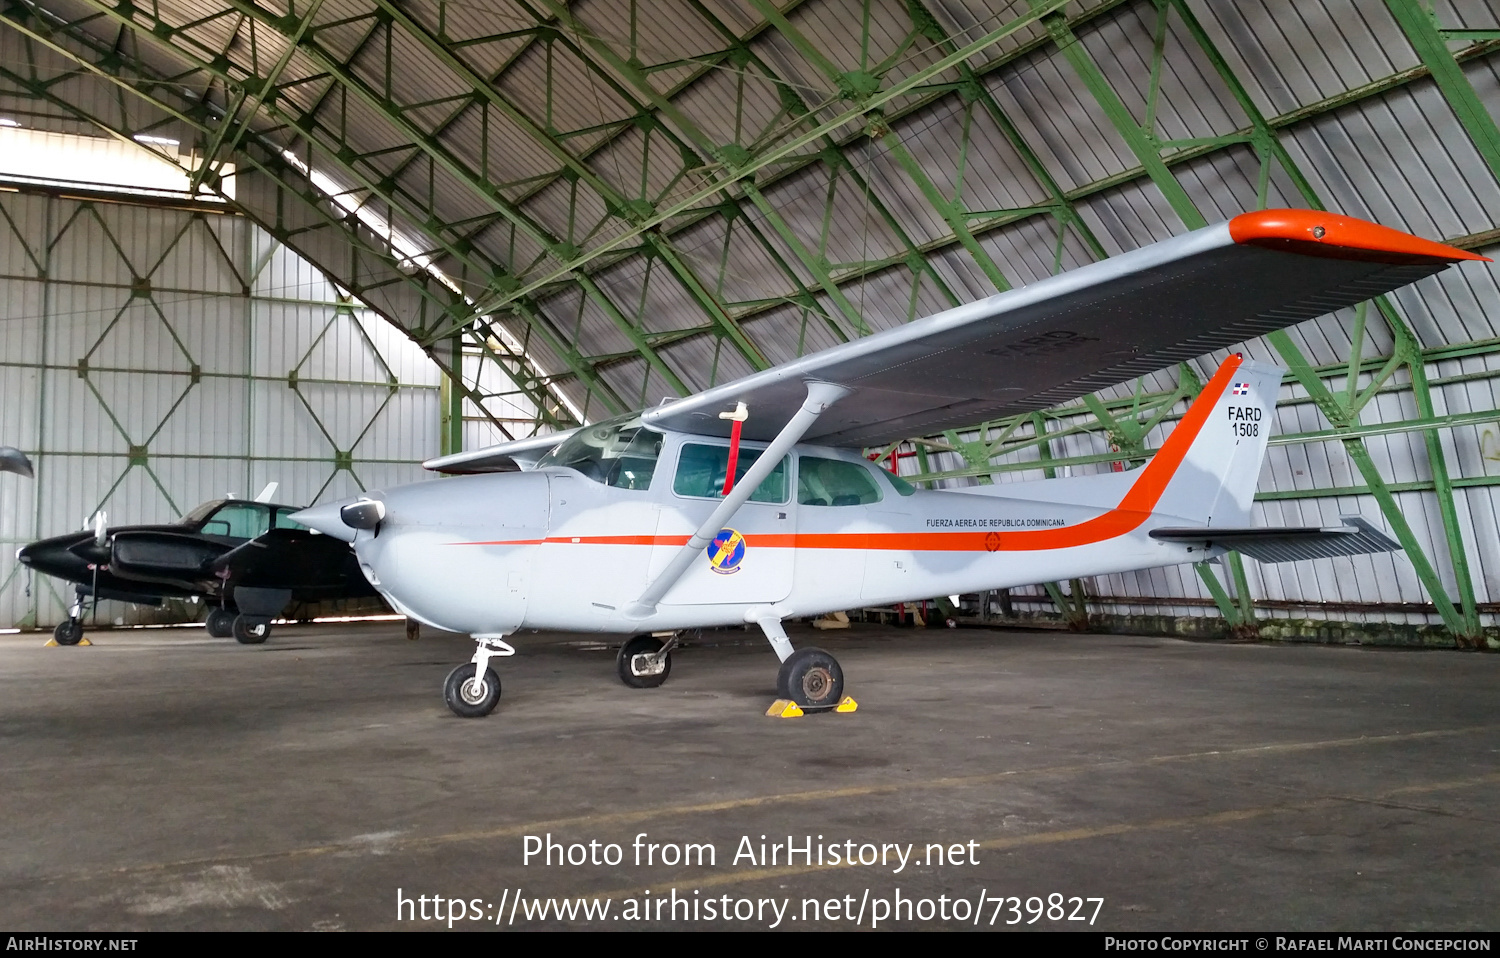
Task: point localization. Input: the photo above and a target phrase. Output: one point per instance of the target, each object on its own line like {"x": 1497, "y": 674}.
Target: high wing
{"x": 506, "y": 457}
{"x": 1072, "y": 334}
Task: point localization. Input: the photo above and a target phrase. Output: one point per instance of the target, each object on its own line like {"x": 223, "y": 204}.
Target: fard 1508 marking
{"x": 1244, "y": 420}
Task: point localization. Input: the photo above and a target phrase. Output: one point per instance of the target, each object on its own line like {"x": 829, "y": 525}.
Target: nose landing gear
{"x": 471, "y": 697}
{"x": 473, "y": 690}
{"x": 70, "y": 630}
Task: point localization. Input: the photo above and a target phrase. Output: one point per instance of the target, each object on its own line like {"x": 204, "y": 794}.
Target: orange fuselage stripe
{"x": 1132, "y": 512}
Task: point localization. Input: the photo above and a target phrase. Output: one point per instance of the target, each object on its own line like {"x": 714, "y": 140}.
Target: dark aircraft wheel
{"x": 637, "y": 672}
{"x": 251, "y": 629}
{"x": 68, "y": 632}
{"x": 811, "y": 678}
{"x": 468, "y": 698}
{"x": 220, "y": 623}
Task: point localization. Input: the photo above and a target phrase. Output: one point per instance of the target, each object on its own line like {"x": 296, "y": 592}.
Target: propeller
{"x": 101, "y": 527}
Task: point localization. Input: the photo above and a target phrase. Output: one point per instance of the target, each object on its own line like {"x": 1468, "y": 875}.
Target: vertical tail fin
{"x": 1220, "y": 444}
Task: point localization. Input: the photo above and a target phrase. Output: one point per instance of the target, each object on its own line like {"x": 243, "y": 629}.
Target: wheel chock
{"x": 786, "y": 708}
{"x": 53, "y": 643}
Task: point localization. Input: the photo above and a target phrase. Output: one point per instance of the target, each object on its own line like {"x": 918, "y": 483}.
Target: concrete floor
{"x": 165, "y": 780}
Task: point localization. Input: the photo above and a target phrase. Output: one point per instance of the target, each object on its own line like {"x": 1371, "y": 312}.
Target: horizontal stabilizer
{"x": 513, "y": 456}
{"x": 1355, "y": 537}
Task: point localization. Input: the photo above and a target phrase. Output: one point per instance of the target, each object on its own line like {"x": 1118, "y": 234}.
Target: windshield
{"x": 239, "y": 520}
{"x": 202, "y": 512}
{"x": 619, "y": 452}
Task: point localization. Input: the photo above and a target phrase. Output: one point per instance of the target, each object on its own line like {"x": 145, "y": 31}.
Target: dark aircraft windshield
{"x": 618, "y": 452}
{"x": 238, "y": 520}
{"x": 202, "y": 512}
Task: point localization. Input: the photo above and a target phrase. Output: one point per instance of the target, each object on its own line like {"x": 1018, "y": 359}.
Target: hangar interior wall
{"x": 153, "y": 358}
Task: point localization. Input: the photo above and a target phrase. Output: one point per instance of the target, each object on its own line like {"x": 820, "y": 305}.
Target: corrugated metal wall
{"x": 153, "y": 358}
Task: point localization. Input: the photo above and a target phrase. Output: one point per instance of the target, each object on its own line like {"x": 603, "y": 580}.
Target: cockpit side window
{"x": 701, "y": 470}
{"x": 239, "y": 520}
{"x": 620, "y": 453}
{"x": 834, "y": 482}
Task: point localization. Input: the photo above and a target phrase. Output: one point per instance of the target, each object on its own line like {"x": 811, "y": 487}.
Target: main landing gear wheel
{"x": 469, "y": 698}
{"x": 251, "y": 629}
{"x": 68, "y": 632}
{"x": 635, "y": 666}
{"x": 811, "y": 678}
{"x": 220, "y": 623}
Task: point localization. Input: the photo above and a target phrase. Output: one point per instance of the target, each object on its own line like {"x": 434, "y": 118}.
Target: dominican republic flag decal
{"x": 1241, "y": 389}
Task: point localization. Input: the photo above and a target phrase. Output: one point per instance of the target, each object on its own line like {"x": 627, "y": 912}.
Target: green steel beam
{"x": 1140, "y": 141}
{"x": 1226, "y": 605}
{"x": 640, "y": 85}
{"x": 1419, "y": 23}
{"x": 127, "y": 15}
{"x": 266, "y": 85}
{"x": 195, "y": 116}
{"x": 337, "y": 157}
{"x": 1407, "y": 350}
{"x": 790, "y": 147}
{"x": 1144, "y": 145}
{"x": 582, "y": 171}
{"x": 1355, "y": 449}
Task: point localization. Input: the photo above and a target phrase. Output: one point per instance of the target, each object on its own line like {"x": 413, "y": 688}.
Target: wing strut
{"x": 820, "y": 396}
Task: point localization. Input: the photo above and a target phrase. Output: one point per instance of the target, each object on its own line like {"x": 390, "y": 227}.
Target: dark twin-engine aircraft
{"x": 246, "y": 558}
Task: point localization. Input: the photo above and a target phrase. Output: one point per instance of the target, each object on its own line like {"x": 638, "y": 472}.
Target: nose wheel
{"x": 471, "y": 697}
{"x": 68, "y": 632}
{"x": 473, "y": 690}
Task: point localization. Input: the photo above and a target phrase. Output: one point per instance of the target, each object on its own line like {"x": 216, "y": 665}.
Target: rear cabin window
{"x": 834, "y": 482}
{"x": 901, "y": 485}
{"x": 701, "y": 471}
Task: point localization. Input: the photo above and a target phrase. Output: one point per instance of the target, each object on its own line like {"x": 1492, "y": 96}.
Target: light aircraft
{"x": 247, "y": 558}
{"x": 750, "y": 503}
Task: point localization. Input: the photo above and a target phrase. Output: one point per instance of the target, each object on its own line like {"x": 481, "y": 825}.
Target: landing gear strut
{"x": 645, "y": 661}
{"x": 810, "y": 677}
{"x": 473, "y": 690}
{"x": 70, "y": 631}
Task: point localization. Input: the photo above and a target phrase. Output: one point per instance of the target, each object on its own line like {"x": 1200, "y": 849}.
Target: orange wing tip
{"x": 1312, "y": 233}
